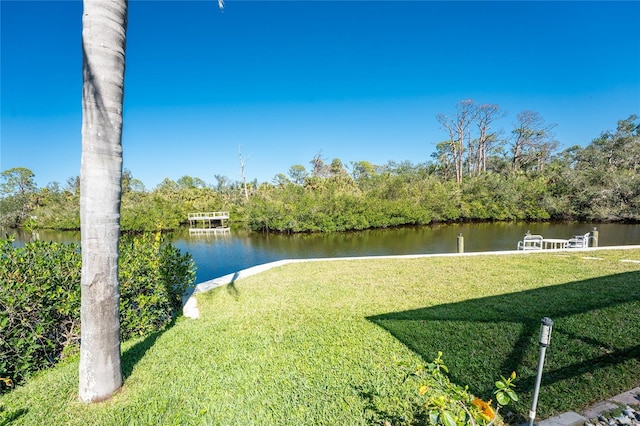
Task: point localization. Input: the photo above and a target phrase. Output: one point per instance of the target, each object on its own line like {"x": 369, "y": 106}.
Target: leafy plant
{"x": 40, "y": 297}
{"x": 440, "y": 402}
{"x": 153, "y": 278}
{"x": 39, "y": 304}
{"x": 504, "y": 390}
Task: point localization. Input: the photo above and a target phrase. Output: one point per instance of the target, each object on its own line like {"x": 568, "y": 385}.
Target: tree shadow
{"x": 8, "y": 417}
{"x": 378, "y": 416}
{"x": 134, "y": 354}
{"x": 594, "y": 347}
{"x": 232, "y": 290}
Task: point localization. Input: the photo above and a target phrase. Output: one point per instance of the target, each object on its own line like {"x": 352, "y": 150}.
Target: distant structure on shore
{"x": 208, "y": 223}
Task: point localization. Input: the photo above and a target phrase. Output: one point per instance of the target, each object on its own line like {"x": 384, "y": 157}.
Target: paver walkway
{"x": 626, "y": 399}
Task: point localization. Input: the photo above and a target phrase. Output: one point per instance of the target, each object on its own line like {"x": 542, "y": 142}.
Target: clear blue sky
{"x": 286, "y": 80}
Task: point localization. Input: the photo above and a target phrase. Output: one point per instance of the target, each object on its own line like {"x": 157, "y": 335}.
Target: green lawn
{"x": 317, "y": 343}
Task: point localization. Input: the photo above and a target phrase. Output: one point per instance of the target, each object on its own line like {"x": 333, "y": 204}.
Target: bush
{"x": 153, "y": 278}
{"x": 40, "y": 297}
{"x": 39, "y": 304}
{"x": 440, "y": 402}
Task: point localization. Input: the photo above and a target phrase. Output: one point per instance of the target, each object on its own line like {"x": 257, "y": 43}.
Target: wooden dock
{"x": 208, "y": 221}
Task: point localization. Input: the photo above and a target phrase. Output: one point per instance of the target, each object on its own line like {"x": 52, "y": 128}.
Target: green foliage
{"x": 40, "y": 297}
{"x": 58, "y": 208}
{"x": 17, "y": 189}
{"x": 440, "y": 402}
{"x": 337, "y": 204}
{"x": 153, "y": 278}
{"x": 17, "y": 181}
{"x": 600, "y": 182}
{"x": 608, "y": 174}
{"x": 504, "y": 390}
{"x": 39, "y": 304}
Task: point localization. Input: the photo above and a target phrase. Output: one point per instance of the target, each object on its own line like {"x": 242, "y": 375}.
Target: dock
{"x": 538, "y": 242}
{"x": 208, "y": 223}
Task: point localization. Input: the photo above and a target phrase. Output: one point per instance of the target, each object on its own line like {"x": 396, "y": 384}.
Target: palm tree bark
{"x": 104, "y": 24}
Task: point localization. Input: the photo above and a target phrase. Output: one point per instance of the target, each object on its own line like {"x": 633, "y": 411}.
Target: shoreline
{"x": 190, "y": 304}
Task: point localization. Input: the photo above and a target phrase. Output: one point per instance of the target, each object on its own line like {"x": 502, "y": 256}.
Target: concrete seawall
{"x": 190, "y": 308}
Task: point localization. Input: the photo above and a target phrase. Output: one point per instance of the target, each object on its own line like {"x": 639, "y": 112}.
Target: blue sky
{"x": 287, "y": 80}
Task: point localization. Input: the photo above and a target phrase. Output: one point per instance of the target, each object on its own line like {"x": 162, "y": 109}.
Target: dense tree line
{"x": 474, "y": 175}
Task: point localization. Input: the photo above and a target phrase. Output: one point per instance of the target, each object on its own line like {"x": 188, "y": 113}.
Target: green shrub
{"x": 153, "y": 278}
{"x": 451, "y": 404}
{"x": 39, "y": 304}
{"x": 40, "y": 297}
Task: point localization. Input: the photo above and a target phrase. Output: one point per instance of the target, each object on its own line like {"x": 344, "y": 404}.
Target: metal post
{"x": 460, "y": 243}
{"x": 545, "y": 339}
{"x": 594, "y": 237}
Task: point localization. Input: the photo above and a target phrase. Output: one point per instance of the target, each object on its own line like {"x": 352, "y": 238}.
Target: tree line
{"x": 474, "y": 175}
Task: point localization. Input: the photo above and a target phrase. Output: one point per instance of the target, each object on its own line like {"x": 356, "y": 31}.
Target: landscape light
{"x": 545, "y": 340}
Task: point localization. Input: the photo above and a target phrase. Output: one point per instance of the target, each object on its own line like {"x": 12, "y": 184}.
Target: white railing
{"x": 208, "y": 215}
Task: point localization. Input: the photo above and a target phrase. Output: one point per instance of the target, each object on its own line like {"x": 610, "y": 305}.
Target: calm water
{"x": 217, "y": 255}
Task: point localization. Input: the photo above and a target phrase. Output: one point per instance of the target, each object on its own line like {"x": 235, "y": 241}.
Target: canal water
{"x": 222, "y": 254}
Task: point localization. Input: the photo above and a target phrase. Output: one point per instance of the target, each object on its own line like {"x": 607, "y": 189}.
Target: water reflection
{"x": 218, "y": 254}
{"x": 216, "y": 257}
{"x": 209, "y": 232}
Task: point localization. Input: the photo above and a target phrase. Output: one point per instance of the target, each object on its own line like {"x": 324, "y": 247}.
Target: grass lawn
{"x": 317, "y": 343}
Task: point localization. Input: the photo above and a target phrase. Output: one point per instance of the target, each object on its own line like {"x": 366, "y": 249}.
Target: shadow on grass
{"x": 378, "y": 416}
{"x": 231, "y": 287}
{"x": 134, "y": 354}
{"x": 8, "y": 417}
{"x": 594, "y": 349}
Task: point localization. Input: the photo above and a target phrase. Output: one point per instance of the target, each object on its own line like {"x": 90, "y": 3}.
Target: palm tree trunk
{"x": 104, "y": 24}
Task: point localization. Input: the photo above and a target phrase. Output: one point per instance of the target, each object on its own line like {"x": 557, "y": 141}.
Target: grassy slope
{"x": 316, "y": 343}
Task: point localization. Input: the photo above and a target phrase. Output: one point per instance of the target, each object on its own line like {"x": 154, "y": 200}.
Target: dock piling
{"x": 460, "y": 243}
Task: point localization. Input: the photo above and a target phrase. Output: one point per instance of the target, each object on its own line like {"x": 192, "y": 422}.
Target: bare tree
{"x": 319, "y": 168}
{"x": 244, "y": 179}
{"x": 532, "y": 142}
{"x": 486, "y": 115}
{"x": 458, "y": 130}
